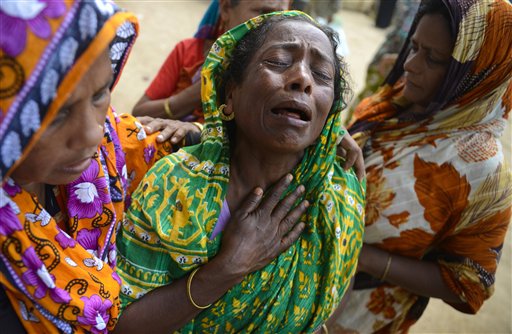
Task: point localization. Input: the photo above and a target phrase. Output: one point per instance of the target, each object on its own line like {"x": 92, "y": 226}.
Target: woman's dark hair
{"x": 254, "y": 39}
{"x": 431, "y": 7}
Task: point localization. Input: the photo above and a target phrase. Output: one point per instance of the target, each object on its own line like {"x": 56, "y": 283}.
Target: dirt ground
{"x": 164, "y": 22}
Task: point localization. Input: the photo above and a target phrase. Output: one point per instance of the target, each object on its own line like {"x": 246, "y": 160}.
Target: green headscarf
{"x": 178, "y": 203}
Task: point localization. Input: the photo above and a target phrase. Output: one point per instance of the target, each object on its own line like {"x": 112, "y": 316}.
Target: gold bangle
{"x": 386, "y": 270}
{"x": 324, "y": 329}
{"x": 167, "y": 107}
{"x": 189, "y": 283}
{"x": 198, "y": 125}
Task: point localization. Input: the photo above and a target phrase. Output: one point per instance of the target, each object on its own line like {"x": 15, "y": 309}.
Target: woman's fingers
{"x": 145, "y": 120}
{"x": 359, "y": 167}
{"x": 287, "y": 223}
{"x": 272, "y": 198}
{"x": 353, "y": 155}
{"x": 251, "y": 202}
{"x": 291, "y": 237}
{"x": 168, "y": 130}
{"x": 285, "y": 205}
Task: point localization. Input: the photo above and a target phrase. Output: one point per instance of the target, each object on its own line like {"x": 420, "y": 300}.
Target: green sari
{"x": 176, "y": 207}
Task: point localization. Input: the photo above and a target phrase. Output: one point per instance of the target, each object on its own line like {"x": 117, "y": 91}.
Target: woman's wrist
{"x": 167, "y": 108}
{"x": 226, "y": 271}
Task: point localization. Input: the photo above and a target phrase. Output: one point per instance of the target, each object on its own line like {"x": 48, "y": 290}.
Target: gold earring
{"x": 223, "y": 116}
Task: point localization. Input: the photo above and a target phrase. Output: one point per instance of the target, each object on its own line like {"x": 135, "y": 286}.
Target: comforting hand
{"x": 353, "y": 155}
{"x": 262, "y": 228}
{"x": 176, "y": 130}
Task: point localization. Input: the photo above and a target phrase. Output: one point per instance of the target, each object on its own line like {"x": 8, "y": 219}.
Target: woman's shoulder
{"x": 191, "y": 44}
{"x": 347, "y": 178}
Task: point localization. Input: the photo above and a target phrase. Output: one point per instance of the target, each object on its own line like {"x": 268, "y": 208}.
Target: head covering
{"x": 478, "y": 74}
{"x": 210, "y": 23}
{"x": 57, "y": 271}
{"x": 46, "y": 47}
{"x": 177, "y": 205}
{"x": 439, "y": 187}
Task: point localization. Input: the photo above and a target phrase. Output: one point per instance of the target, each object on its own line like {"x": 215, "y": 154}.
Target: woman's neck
{"x": 251, "y": 168}
{"x": 37, "y": 189}
{"x": 416, "y": 109}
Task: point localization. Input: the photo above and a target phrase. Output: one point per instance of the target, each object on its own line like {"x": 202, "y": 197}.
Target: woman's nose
{"x": 413, "y": 62}
{"x": 300, "y": 78}
{"x": 89, "y": 132}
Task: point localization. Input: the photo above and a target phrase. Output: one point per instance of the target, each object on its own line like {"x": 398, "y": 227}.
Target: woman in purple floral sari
{"x": 67, "y": 163}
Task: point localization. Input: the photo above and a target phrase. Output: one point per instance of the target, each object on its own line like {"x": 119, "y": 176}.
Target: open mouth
{"x": 292, "y": 113}
{"x": 293, "y": 109}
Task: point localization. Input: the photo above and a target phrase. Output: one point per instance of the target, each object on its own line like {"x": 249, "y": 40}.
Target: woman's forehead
{"x": 291, "y": 34}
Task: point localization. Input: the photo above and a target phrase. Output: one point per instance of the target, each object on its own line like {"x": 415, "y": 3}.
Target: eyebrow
{"x": 295, "y": 46}
{"x": 105, "y": 86}
{"x": 429, "y": 48}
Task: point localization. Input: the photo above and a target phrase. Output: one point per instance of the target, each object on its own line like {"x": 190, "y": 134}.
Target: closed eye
{"x": 100, "y": 95}
{"x": 62, "y": 114}
{"x": 276, "y": 63}
{"x": 323, "y": 76}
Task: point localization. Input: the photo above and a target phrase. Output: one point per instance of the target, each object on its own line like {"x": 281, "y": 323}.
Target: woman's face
{"x": 69, "y": 143}
{"x": 427, "y": 62}
{"x": 287, "y": 91}
{"x": 247, "y": 9}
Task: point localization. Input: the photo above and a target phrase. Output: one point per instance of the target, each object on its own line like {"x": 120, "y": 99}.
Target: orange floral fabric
{"x": 76, "y": 252}
{"x": 438, "y": 186}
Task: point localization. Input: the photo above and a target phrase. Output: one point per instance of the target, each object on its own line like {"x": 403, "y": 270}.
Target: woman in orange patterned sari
{"x": 439, "y": 193}
{"x": 59, "y": 60}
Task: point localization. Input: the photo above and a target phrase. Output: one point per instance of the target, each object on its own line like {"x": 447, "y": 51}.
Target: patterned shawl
{"x": 58, "y": 271}
{"x": 438, "y": 182}
{"x": 176, "y": 206}
{"x": 209, "y": 27}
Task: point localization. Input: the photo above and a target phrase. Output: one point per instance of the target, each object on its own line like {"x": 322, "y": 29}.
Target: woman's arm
{"x": 258, "y": 232}
{"x": 420, "y": 277}
{"x": 180, "y": 104}
{"x": 168, "y": 129}
{"x": 187, "y": 53}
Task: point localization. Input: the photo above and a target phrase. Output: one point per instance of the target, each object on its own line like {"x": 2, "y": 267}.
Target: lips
{"x": 409, "y": 82}
{"x": 78, "y": 166}
{"x": 293, "y": 109}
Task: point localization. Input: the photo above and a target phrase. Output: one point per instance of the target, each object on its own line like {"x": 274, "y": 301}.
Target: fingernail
{"x": 159, "y": 137}
{"x": 301, "y": 188}
{"x": 306, "y": 204}
{"x": 289, "y": 177}
{"x": 174, "y": 140}
{"x": 258, "y": 191}
{"x": 148, "y": 129}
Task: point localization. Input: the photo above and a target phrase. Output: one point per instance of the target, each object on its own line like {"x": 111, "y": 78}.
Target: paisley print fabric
{"x": 174, "y": 211}
{"x": 439, "y": 187}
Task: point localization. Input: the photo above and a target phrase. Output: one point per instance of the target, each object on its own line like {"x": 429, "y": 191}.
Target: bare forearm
{"x": 168, "y": 308}
{"x": 180, "y": 104}
{"x": 147, "y": 107}
{"x": 420, "y": 277}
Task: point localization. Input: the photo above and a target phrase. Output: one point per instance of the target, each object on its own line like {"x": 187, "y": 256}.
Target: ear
{"x": 229, "y": 98}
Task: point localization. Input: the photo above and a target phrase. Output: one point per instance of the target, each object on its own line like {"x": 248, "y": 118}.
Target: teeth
{"x": 291, "y": 112}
